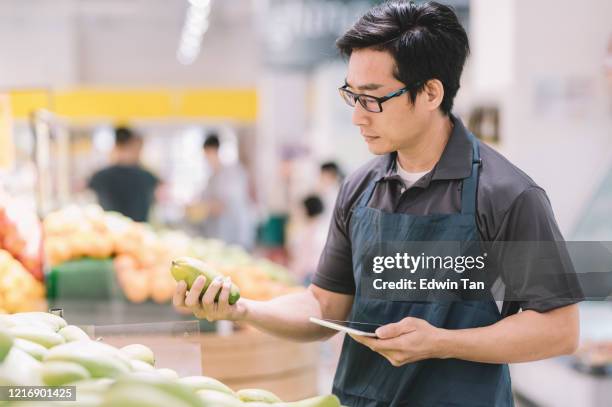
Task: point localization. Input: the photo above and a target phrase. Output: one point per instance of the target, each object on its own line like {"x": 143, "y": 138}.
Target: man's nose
{"x": 361, "y": 117}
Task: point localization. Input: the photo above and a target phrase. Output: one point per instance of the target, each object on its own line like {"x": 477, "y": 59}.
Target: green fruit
{"x": 60, "y": 373}
{"x": 123, "y": 393}
{"x": 167, "y": 374}
{"x": 101, "y": 360}
{"x": 140, "y": 366}
{"x": 142, "y": 396}
{"x": 92, "y": 385}
{"x": 248, "y": 395}
{"x": 320, "y": 401}
{"x": 20, "y": 369}
{"x": 6, "y": 342}
{"x": 218, "y": 399}
{"x": 196, "y": 383}
{"x": 52, "y": 321}
{"x": 40, "y": 335}
{"x": 189, "y": 269}
{"x": 73, "y": 333}
{"x": 36, "y": 350}
{"x": 139, "y": 352}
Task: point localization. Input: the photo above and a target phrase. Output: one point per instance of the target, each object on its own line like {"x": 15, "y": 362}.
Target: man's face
{"x": 400, "y": 123}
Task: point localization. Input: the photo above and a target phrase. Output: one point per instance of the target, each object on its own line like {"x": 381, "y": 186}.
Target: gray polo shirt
{"x": 510, "y": 207}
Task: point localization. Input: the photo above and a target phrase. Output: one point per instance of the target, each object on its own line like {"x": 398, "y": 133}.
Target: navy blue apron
{"x": 365, "y": 378}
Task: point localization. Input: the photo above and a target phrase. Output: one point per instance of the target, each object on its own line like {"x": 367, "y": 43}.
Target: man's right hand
{"x": 207, "y": 308}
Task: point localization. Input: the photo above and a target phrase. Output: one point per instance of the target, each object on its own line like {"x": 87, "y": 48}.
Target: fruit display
{"x": 106, "y": 376}
{"x": 142, "y": 256}
{"x": 21, "y": 234}
{"x": 19, "y": 290}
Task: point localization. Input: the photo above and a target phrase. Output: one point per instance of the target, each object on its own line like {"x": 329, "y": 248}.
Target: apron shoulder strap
{"x": 366, "y": 195}
{"x": 470, "y": 184}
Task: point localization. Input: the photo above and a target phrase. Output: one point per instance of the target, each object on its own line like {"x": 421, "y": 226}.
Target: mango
{"x": 20, "y": 369}
{"x": 319, "y": 401}
{"x": 140, "y": 366}
{"x": 196, "y": 383}
{"x": 139, "y": 352}
{"x": 60, "y": 373}
{"x": 36, "y": 350}
{"x": 218, "y": 399}
{"x": 101, "y": 360}
{"x": 132, "y": 391}
{"x": 188, "y": 269}
{"x": 73, "y": 333}
{"x": 249, "y": 395}
{"x": 167, "y": 374}
{"x": 6, "y": 342}
{"x": 52, "y": 321}
{"x": 37, "y": 334}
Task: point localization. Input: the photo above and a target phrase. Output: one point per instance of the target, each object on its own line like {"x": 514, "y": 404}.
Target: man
{"x": 431, "y": 182}
{"x": 125, "y": 186}
{"x": 225, "y": 200}
{"x": 330, "y": 180}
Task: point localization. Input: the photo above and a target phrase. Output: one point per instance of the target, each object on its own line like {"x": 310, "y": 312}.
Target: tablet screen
{"x": 360, "y": 326}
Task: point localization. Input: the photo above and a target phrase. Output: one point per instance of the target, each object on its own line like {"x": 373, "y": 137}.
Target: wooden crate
{"x": 251, "y": 359}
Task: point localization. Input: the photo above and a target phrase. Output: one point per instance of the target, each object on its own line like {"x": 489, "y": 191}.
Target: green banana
{"x": 188, "y": 269}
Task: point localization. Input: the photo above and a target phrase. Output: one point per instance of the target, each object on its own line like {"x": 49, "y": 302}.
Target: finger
{"x": 178, "y": 299}
{"x": 225, "y": 293}
{"x": 212, "y": 290}
{"x": 193, "y": 298}
{"x": 395, "y": 329}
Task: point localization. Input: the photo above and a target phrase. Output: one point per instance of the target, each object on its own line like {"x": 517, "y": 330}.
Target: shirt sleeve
{"x": 534, "y": 262}
{"x": 335, "y": 268}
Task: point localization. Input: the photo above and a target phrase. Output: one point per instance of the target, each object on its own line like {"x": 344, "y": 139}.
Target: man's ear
{"x": 434, "y": 93}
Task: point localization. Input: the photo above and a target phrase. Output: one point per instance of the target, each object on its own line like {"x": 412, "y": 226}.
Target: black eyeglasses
{"x": 371, "y": 103}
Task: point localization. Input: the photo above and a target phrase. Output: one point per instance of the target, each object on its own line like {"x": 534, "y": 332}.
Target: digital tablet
{"x": 351, "y": 327}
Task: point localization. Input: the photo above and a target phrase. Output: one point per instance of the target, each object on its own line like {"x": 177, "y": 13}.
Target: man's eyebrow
{"x": 367, "y": 86}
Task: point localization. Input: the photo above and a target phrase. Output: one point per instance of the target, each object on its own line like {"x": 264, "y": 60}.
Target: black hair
{"x": 426, "y": 41}
{"x": 331, "y": 166}
{"x": 124, "y": 136}
{"x": 313, "y": 205}
{"x": 211, "y": 141}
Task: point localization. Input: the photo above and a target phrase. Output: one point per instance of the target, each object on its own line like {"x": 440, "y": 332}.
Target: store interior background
{"x": 539, "y": 77}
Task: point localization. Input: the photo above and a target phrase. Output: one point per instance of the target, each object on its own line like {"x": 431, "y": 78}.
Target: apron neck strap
{"x": 470, "y": 184}
{"x": 367, "y": 194}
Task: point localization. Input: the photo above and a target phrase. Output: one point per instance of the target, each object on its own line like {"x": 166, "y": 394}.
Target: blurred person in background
{"x": 225, "y": 205}
{"x": 330, "y": 179}
{"x": 308, "y": 240}
{"x": 126, "y": 186}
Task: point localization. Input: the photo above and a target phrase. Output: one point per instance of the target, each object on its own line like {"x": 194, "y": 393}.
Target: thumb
{"x": 395, "y": 329}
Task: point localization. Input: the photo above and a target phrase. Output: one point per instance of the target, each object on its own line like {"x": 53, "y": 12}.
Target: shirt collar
{"x": 455, "y": 161}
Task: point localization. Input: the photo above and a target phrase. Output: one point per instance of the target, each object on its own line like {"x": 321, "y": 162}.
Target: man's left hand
{"x": 406, "y": 341}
